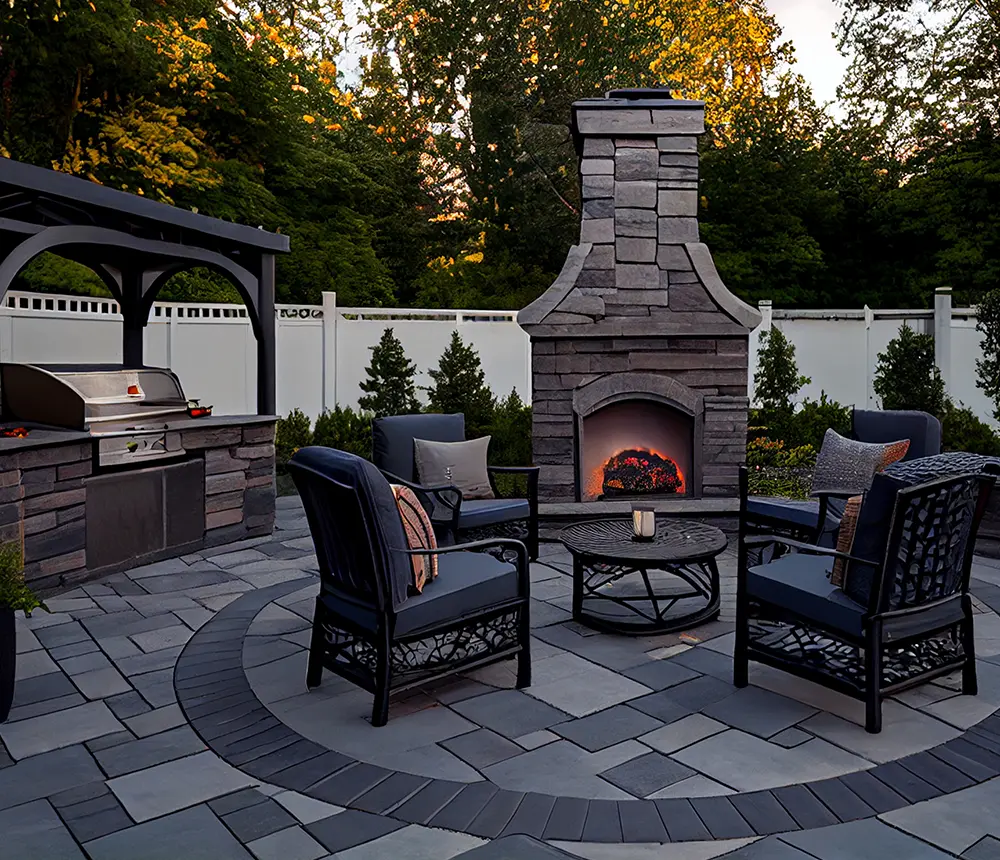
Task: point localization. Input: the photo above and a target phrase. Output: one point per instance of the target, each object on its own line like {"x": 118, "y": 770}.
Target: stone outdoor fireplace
{"x": 639, "y": 352}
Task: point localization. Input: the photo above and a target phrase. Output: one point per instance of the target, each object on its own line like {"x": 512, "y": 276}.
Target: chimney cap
{"x": 659, "y": 94}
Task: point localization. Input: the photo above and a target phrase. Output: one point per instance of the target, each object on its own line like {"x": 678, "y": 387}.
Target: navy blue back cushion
{"x": 355, "y": 526}
{"x": 890, "y": 425}
{"x": 872, "y": 535}
{"x": 392, "y": 439}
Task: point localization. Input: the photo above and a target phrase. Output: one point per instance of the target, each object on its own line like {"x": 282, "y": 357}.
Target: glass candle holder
{"x": 643, "y": 522}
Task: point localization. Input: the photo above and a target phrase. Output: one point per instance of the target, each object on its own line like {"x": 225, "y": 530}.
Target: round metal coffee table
{"x": 621, "y": 585}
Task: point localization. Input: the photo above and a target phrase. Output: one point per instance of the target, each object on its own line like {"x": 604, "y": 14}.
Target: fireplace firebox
{"x": 639, "y": 352}
{"x": 633, "y": 449}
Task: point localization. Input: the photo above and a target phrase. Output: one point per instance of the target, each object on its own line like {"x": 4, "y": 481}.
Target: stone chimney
{"x": 639, "y": 311}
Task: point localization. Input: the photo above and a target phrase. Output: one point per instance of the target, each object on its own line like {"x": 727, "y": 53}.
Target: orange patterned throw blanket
{"x": 419, "y": 535}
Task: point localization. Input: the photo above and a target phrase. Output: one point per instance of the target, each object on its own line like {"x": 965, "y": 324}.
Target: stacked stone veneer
{"x": 639, "y": 308}
{"x": 43, "y": 491}
{"x": 239, "y": 480}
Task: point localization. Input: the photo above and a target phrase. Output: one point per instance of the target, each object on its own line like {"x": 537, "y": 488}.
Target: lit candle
{"x": 643, "y": 522}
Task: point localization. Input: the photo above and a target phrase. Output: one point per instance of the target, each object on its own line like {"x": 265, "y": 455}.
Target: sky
{"x": 809, "y": 25}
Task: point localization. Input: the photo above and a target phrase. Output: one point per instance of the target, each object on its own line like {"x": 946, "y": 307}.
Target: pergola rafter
{"x": 134, "y": 246}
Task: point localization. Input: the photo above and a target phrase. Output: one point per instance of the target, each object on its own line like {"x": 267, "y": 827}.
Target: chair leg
{"x": 314, "y": 671}
{"x": 741, "y": 646}
{"x": 524, "y": 655}
{"x": 970, "y": 683}
{"x": 873, "y": 679}
{"x": 383, "y": 681}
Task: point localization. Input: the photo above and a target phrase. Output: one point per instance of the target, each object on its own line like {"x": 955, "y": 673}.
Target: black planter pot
{"x": 8, "y": 659}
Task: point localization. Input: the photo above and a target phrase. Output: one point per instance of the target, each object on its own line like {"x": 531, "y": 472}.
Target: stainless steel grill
{"x": 130, "y": 411}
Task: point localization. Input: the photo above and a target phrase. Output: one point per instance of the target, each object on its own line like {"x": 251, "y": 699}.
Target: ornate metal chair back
{"x": 931, "y": 542}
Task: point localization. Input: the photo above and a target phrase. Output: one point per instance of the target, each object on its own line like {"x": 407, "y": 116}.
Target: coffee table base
{"x": 633, "y": 600}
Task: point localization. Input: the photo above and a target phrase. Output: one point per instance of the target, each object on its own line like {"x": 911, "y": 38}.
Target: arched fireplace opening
{"x": 635, "y": 449}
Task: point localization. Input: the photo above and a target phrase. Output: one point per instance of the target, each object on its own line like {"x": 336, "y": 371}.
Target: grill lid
{"x": 99, "y": 398}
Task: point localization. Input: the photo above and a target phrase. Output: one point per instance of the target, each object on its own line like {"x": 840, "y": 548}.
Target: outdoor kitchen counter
{"x": 42, "y": 438}
{"x": 49, "y": 488}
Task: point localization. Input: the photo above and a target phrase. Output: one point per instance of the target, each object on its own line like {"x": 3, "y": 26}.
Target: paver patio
{"x": 163, "y": 713}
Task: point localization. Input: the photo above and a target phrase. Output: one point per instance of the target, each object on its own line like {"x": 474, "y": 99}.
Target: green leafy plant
{"x": 345, "y": 430}
{"x": 988, "y": 367}
{"x": 389, "y": 388}
{"x": 777, "y": 470}
{"x": 814, "y": 418}
{"x": 292, "y": 432}
{"x": 460, "y": 386}
{"x": 14, "y": 592}
{"x": 906, "y": 376}
{"x": 963, "y": 430}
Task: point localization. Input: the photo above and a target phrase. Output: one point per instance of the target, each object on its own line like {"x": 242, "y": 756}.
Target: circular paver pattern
{"x": 609, "y": 744}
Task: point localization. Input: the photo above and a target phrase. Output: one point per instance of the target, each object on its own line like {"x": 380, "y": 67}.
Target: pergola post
{"x": 266, "y": 351}
{"x": 133, "y": 325}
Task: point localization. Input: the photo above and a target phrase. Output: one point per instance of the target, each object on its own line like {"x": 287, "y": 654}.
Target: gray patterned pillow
{"x": 846, "y": 467}
{"x": 461, "y": 464}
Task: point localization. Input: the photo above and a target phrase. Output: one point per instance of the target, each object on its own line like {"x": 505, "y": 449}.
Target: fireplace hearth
{"x": 639, "y": 352}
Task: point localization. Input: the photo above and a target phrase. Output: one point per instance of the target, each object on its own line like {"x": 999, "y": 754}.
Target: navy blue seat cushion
{"x": 353, "y": 515}
{"x": 392, "y": 439}
{"x": 801, "y": 513}
{"x": 486, "y": 512}
{"x": 887, "y": 425}
{"x": 466, "y": 582}
{"x": 800, "y": 583}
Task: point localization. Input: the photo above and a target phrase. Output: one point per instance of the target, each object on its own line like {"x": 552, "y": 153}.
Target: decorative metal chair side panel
{"x": 456, "y": 519}
{"x": 365, "y": 628}
{"x": 917, "y": 623}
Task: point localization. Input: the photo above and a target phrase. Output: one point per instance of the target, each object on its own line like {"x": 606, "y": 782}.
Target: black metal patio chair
{"x": 904, "y": 614}
{"x": 455, "y": 518}
{"x": 366, "y": 628}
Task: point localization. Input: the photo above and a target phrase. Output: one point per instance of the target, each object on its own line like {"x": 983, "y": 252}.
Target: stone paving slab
{"x": 174, "y": 785}
{"x": 194, "y": 834}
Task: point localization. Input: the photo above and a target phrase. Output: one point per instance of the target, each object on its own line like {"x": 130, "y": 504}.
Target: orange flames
{"x": 596, "y": 481}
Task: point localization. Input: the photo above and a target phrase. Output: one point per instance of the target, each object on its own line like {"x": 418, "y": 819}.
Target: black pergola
{"x": 135, "y": 245}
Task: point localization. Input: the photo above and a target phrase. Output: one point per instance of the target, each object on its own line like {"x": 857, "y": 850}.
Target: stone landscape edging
{"x": 217, "y": 700}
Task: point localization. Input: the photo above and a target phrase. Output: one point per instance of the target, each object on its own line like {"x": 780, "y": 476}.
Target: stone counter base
{"x": 44, "y": 496}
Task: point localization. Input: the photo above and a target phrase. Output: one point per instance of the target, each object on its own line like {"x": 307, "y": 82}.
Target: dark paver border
{"x": 216, "y": 698}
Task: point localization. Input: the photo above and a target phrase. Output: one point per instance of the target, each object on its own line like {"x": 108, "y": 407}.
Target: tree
{"x": 460, "y": 386}
{"x": 906, "y": 376}
{"x": 988, "y": 367}
{"x": 922, "y": 69}
{"x": 777, "y": 379}
{"x": 389, "y": 388}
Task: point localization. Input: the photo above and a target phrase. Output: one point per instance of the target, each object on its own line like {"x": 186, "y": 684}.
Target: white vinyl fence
{"x": 322, "y": 351}
{"x": 839, "y": 350}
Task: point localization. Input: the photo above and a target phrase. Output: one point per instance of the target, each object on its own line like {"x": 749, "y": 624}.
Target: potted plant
{"x": 14, "y": 595}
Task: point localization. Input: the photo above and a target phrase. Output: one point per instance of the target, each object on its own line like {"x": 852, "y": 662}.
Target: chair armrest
{"x": 529, "y": 472}
{"x": 449, "y": 496}
{"x": 808, "y": 548}
{"x": 523, "y": 577}
{"x": 514, "y": 470}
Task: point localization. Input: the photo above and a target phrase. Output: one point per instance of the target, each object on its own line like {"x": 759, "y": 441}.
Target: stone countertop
{"x": 49, "y": 437}
{"x": 212, "y": 422}
{"x": 41, "y": 437}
